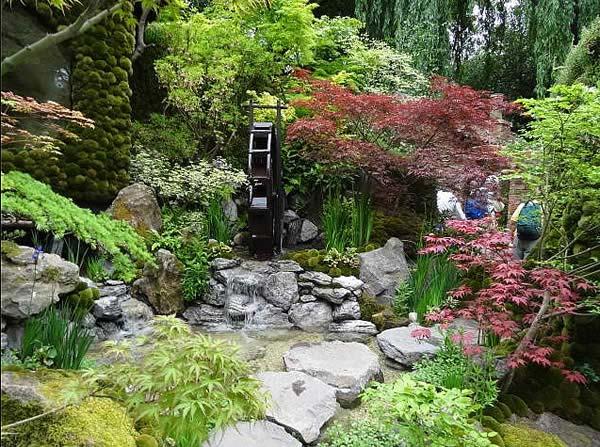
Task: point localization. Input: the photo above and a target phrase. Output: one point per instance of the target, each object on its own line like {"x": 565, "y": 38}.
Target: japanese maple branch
{"x": 141, "y": 45}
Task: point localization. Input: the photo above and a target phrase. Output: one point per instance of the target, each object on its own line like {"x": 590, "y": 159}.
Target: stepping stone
{"x": 403, "y": 348}
{"x": 352, "y": 330}
{"x": 299, "y": 402}
{"x": 348, "y": 367}
{"x": 252, "y": 434}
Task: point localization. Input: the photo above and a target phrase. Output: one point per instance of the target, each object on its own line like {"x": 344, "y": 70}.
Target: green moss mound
{"x": 515, "y": 404}
{"x": 517, "y": 435}
{"x": 313, "y": 260}
{"x": 506, "y": 410}
{"x": 146, "y": 441}
{"x": 495, "y": 413}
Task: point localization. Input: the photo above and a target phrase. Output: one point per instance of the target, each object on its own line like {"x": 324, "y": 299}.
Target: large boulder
{"x": 352, "y": 330}
{"x": 308, "y": 231}
{"x": 382, "y": 270}
{"x": 269, "y": 316}
{"x": 348, "y": 310}
{"x": 22, "y": 295}
{"x": 252, "y": 434}
{"x": 136, "y": 315}
{"x": 281, "y": 289}
{"x": 334, "y": 296}
{"x": 137, "y": 205}
{"x": 311, "y": 316}
{"x": 348, "y": 367}
{"x": 107, "y": 308}
{"x": 205, "y": 314}
{"x": 399, "y": 345}
{"x": 299, "y": 402}
{"x": 161, "y": 285}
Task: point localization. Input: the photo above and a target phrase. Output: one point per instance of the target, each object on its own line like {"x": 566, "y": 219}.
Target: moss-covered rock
{"x": 495, "y": 413}
{"x": 146, "y": 440}
{"x": 517, "y": 435}
{"x": 96, "y": 421}
{"x": 505, "y": 409}
{"x": 515, "y": 404}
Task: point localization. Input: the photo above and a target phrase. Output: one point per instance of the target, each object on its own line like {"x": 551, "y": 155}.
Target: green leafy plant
{"x": 421, "y": 413}
{"x": 56, "y": 338}
{"x": 27, "y": 198}
{"x": 362, "y": 219}
{"x": 169, "y": 133}
{"x": 218, "y": 225}
{"x": 337, "y": 223}
{"x": 185, "y": 385}
{"x": 452, "y": 368}
{"x": 94, "y": 269}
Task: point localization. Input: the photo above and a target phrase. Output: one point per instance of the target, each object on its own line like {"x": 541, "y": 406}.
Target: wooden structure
{"x": 266, "y": 198}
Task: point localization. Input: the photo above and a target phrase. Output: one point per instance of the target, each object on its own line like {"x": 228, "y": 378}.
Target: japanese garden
{"x": 288, "y": 223}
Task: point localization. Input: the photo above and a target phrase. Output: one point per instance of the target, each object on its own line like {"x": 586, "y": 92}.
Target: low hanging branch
{"x": 88, "y": 18}
{"x": 140, "y": 44}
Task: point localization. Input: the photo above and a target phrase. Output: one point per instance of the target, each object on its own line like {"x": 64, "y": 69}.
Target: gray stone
{"x": 400, "y": 346}
{"x": 348, "y": 310}
{"x": 107, "y": 308}
{"x": 230, "y": 210}
{"x": 21, "y": 295}
{"x": 572, "y": 435}
{"x": 289, "y": 216}
{"x": 136, "y": 315}
{"x": 106, "y": 330}
{"x": 335, "y": 296}
{"x": 113, "y": 282}
{"x": 113, "y": 289}
{"x": 222, "y": 263}
{"x": 3, "y": 341}
{"x": 252, "y": 434}
{"x": 137, "y": 205}
{"x": 240, "y": 238}
{"x": 312, "y": 316}
{"x": 299, "y": 402}
{"x": 382, "y": 270}
{"x": 308, "y": 298}
{"x": 286, "y": 265}
{"x": 258, "y": 267}
{"x": 308, "y": 231}
{"x": 88, "y": 321}
{"x": 352, "y": 330}
{"x": 348, "y": 367}
{"x": 269, "y": 316}
{"x": 161, "y": 285}
{"x": 237, "y": 305}
{"x": 216, "y": 294}
{"x": 348, "y": 282}
{"x": 281, "y": 289}
{"x": 318, "y": 278}
{"x": 205, "y": 313}
{"x": 22, "y": 387}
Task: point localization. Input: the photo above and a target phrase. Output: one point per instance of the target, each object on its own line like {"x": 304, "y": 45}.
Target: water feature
{"x": 243, "y": 299}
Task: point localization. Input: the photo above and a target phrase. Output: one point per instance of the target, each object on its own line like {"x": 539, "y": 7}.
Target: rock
{"x": 230, "y": 210}
{"x": 258, "y": 267}
{"x": 572, "y": 435}
{"x": 289, "y": 216}
{"x": 352, "y": 330}
{"x": 312, "y": 316}
{"x": 241, "y": 280}
{"x": 106, "y": 329}
{"x": 23, "y": 388}
{"x": 137, "y": 205}
{"x": 308, "y": 298}
{"x": 281, "y": 289}
{"x": 240, "y": 238}
{"x": 107, "y": 308}
{"x": 335, "y": 296}
{"x": 348, "y": 282}
{"x": 348, "y": 310}
{"x": 14, "y": 334}
{"x": 382, "y": 270}
{"x": 161, "y": 285}
{"x": 308, "y": 231}
{"x": 299, "y": 402}
{"x": 400, "y": 346}
{"x": 286, "y": 265}
{"x": 113, "y": 289}
{"x": 205, "y": 313}
{"x": 292, "y": 232}
{"x": 252, "y": 434}
{"x": 216, "y": 293}
{"x": 3, "y": 341}
{"x": 270, "y": 316}
{"x": 53, "y": 276}
{"x": 318, "y": 278}
{"x": 222, "y": 263}
{"x": 136, "y": 315}
{"x": 237, "y": 305}
{"x": 88, "y": 321}
{"x": 348, "y": 367}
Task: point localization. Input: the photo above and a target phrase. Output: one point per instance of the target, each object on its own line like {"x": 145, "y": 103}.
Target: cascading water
{"x": 242, "y": 300}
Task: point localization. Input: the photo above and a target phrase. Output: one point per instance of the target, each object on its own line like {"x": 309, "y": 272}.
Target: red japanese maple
{"x": 518, "y": 304}
{"x": 451, "y": 137}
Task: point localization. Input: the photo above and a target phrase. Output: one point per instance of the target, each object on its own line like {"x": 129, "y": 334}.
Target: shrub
{"x": 452, "y": 368}
{"x": 186, "y": 384}
{"x": 337, "y": 223}
{"x": 218, "y": 225}
{"x": 57, "y": 338}
{"x": 362, "y": 220}
{"x": 25, "y": 197}
{"x": 582, "y": 63}
{"x": 421, "y": 413}
{"x": 165, "y": 134}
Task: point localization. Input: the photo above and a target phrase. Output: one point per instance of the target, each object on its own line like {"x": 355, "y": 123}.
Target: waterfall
{"x": 242, "y": 299}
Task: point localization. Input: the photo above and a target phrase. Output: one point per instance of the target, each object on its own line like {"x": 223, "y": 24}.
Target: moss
{"x": 517, "y": 435}
{"x": 146, "y": 441}
{"x": 313, "y": 262}
{"x": 369, "y": 306}
{"x": 537, "y": 407}
{"x": 9, "y": 248}
{"x": 515, "y": 404}
{"x": 569, "y": 389}
{"x": 550, "y": 397}
{"x": 495, "y": 413}
{"x": 591, "y": 398}
{"x": 387, "y": 319}
{"x": 505, "y": 409}
{"x": 84, "y": 299}
{"x": 594, "y": 419}
{"x": 334, "y": 272}
{"x": 491, "y": 423}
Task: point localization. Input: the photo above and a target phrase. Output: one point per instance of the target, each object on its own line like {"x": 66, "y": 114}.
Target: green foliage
{"x": 452, "y": 368}
{"x": 432, "y": 277}
{"x": 193, "y": 184}
{"x": 403, "y": 296}
{"x": 517, "y": 435}
{"x": 183, "y": 234}
{"x": 362, "y": 433}
{"x": 337, "y": 222}
{"x": 362, "y": 220}
{"x": 166, "y": 135}
{"x": 197, "y": 383}
{"x": 94, "y": 269}
{"x": 25, "y": 197}
{"x": 404, "y": 224}
{"x": 422, "y": 414}
{"x": 332, "y": 262}
{"x": 217, "y": 223}
{"x": 57, "y": 338}
{"x": 558, "y": 157}
{"x": 583, "y": 61}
